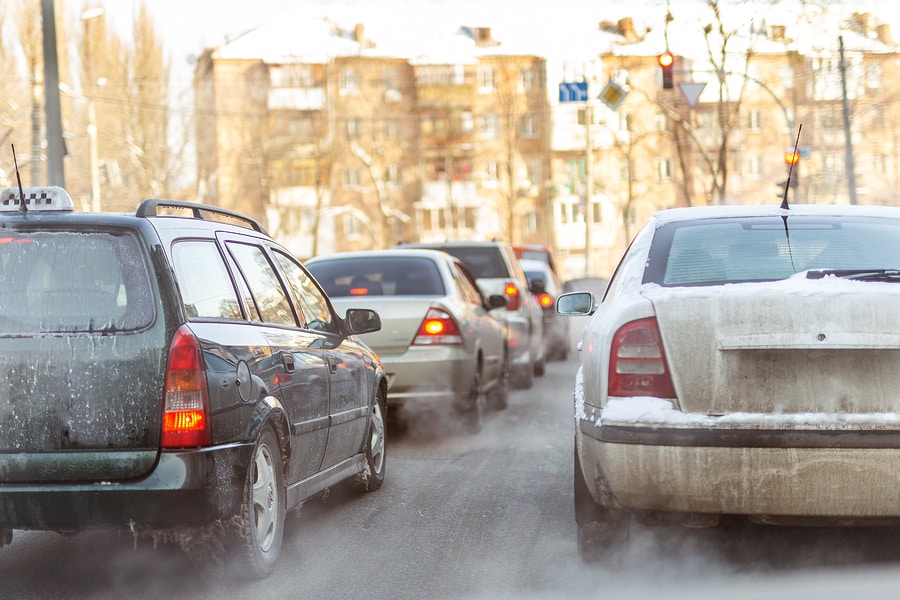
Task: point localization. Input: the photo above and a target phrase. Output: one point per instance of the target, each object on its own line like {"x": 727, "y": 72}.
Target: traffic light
{"x": 792, "y": 160}
{"x": 666, "y": 60}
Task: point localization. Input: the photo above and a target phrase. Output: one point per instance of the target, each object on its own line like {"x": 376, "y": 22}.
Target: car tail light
{"x": 186, "y": 400}
{"x": 512, "y": 296}
{"x": 545, "y": 300}
{"x": 637, "y": 364}
{"x": 437, "y": 328}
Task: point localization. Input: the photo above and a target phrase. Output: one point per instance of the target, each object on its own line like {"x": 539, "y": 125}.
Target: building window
{"x": 873, "y": 75}
{"x": 624, "y": 169}
{"x": 485, "y": 79}
{"x": 534, "y": 170}
{"x": 529, "y": 127}
{"x": 664, "y": 169}
{"x": 392, "y": 174}
{"x": 754, "y": 119}
{"x": 491, "y": 171}
{"x": 348, "y": 82}
{"x": 528, "y": 80}
{"x": 622, "y": 77}
{"x": 352, "y": 178}
{"x": 353, "y": 129}
{"x": 754, "y": 167}
{"x": 352, "y": 226}
{"x": 466, "y": 122}
{"x": 532, "y": 221}
{"x": 787, "y": 77}
{"x": 490, "y": 127}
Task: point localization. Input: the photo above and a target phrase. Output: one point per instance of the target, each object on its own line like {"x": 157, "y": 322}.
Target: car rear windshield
{"x": 406, "y": 276}
{"x": 483, "y": 262}
{"x": 734, "y": 250}
{"x": 72, "y": 282}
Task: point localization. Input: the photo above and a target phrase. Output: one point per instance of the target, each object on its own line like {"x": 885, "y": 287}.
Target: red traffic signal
{"x": 666, "y": 60}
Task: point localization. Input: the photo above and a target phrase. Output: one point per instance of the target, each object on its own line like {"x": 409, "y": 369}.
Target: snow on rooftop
{"x": 437, "y": 32}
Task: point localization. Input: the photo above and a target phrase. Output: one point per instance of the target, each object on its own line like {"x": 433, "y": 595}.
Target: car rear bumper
{"x": 186, "y": 488}
{"x": 807, "y": 475}
{"x": 428, "y": 373}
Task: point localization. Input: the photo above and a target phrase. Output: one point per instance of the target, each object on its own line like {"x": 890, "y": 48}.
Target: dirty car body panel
{"x": 744, "y": 361}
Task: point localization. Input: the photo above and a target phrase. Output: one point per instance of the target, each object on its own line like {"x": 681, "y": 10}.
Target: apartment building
{"x": 351, "y": 136}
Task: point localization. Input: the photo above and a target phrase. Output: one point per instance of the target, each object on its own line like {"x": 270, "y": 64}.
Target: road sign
{"x": 613, "y": 95}
{"x": 692, "y": 92}
{"x": 574, "y": 91}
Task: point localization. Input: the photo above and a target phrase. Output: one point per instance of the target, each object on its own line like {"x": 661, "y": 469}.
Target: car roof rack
{"x": 150, "y": 208}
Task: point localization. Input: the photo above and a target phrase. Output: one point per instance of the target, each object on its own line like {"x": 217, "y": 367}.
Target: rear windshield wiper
{"x": 856, "y": 274}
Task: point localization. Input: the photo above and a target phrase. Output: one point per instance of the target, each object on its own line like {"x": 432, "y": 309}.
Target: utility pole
{"x": 55, "y": 147}
{"x": 589, "y": 185}
{"x": 848, "y": 141}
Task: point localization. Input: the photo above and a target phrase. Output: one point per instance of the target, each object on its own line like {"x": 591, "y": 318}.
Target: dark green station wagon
{"x": 173, "y": 372}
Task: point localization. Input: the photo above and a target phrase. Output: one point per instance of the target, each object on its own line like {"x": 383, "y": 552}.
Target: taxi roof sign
{"x": 40, "y": 198}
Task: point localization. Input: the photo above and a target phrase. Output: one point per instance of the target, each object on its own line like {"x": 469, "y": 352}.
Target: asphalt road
{"x": 469, "y": 517}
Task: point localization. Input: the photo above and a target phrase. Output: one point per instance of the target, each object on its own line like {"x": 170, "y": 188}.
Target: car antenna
{"x": 19, "y": 180}
{"x": 787, "y": 182}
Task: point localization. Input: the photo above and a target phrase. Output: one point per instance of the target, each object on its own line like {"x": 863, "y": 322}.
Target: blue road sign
{"x": 575, "y": 91}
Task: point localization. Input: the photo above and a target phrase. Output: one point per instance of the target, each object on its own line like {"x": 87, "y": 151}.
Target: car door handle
{"x": 288, "y": 359}
{"x": 332, "y": 363}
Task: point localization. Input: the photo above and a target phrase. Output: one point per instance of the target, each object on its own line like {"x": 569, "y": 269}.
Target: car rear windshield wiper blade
{"x": 856, "y": 274}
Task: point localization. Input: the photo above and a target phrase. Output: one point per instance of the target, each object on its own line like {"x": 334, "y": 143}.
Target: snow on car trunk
{"x": 794, "y": 346}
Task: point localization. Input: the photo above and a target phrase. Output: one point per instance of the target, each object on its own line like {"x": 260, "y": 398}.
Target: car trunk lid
{"x": 401, "y": 317}
{"x": 793, "y": 346}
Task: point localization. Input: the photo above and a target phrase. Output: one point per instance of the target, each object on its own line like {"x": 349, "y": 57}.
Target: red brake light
{"x": 637, "y": 364}
{"x": 438, "y": 327}
{"x": 545, "y": 300}
{"x": 186, "y": 400}
{"x": 359, "y": 291}
{"x": 512, "y": 296}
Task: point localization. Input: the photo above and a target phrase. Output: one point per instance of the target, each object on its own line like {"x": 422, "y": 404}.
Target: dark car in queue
{"x": 440, "y": 343}
{"x": 175, "y": 373}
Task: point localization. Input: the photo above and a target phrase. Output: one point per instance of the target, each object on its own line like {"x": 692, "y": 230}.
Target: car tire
{"x": 261, "y": 519}
{"x": 599, "y": 529}
{"x": 498, "y": 397}
{"x": 540, "y": 367}
{"x": 376, "y": 448}
{"x": 472, "y": 412}
{"x": 524, "y": 379}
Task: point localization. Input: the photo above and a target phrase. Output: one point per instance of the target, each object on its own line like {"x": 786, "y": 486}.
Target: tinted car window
{"x": 379, "y": 276}
{"x": 314, "y": 308}
{"x": 67, "y": 281}
{"x": 482, "y": 261}
{"x": 270, "y": 298}
{"x": 766, "y": 249}
{"x": 206, "y": 288}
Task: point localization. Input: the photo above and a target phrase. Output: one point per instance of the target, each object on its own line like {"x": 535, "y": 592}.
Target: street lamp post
{"x": 86, "y": 18}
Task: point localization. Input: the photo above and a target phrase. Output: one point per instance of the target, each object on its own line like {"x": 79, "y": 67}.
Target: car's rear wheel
{"x": 599, "y": 529}
{"x": 540, "y": 366}
{"x": 498, "y": 397}
{"x": 472, "y": 412}
{"x": 524, "y": 376}
{"x": 261, "y": 523}
{"x": 376, "y": 448}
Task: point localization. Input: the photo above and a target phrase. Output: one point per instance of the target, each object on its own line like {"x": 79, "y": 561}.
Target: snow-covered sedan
{"x": 744, "y": 360}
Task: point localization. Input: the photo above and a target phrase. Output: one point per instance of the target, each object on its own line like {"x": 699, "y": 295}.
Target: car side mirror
{"x": 362, "y": 320}
{"x": 496, "y": 301}
{"x": 575, "y": 304}
{"x": 538, "y": 287}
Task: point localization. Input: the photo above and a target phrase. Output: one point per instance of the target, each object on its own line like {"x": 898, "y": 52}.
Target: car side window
{"x": 316, "y": 312}
{"x": 270, "y": 297}
{"x": 206, "y": 288}
{"x": 467, "y": 286}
